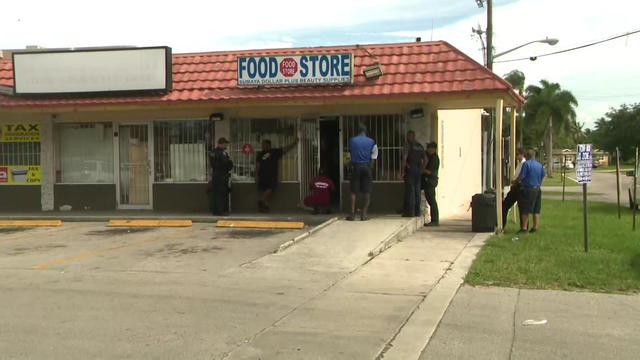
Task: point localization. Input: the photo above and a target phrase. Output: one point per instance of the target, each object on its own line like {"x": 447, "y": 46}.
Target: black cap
{"x": 432, "y": 145}
{"x": 223, "y": 141}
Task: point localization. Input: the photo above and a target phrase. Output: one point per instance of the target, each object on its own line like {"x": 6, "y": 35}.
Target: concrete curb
{"x": 416, "y": 333}
{"x": 407, "y": 229}
{"x": 305, "y": 235}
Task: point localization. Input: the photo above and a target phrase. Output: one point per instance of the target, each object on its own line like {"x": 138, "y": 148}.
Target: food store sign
{"x": 288, "y": 70}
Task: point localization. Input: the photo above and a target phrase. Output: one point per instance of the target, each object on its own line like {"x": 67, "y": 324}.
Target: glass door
{"x": 134, "y": 190}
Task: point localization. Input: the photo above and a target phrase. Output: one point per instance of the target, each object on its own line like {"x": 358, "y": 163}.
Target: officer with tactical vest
{"x": 221, "y": 166}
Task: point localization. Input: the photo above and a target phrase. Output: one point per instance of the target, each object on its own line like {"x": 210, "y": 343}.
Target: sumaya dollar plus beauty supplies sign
{"x": 288, "y": 70}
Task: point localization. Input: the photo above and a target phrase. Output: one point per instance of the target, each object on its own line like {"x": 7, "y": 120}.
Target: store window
{"x": 180, "y": 150}
{"x": 388, "y": 131}
{"x": 84, "y": 153}
{"x": 20, "y": 154}
{"x": 246, "y": 136}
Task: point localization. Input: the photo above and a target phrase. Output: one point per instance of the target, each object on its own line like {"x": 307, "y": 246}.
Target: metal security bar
{"x": 19, "y": 153}
{"x": 388, "y": 131}
{"x": 246, "y": 136}
{"x": 180, "y": 150}
{"x": 134, "y": 165}
{"x": 310, "y": 161}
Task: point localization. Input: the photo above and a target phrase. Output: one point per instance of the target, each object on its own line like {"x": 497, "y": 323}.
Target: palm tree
{"x": 516, "y": 78}
{"x": 550, "y": 104}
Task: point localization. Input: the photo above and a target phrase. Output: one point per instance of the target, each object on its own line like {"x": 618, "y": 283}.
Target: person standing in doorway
{"x": 430, "y": 182}
{"x": 414, "y": 160}
{"x": 361, "y": 148}
{"x": 530, "y": 202}
{"x": 267, "y": 171}
{"x": 221, "y": 166}
{"x": 514, "y": 192}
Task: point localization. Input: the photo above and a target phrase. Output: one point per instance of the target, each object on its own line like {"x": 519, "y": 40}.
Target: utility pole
{"x": 490, "y": 34}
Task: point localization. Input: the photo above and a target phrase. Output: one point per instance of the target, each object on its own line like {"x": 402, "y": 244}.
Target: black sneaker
{"x": 533, "y": 230}
{"x": 350, "y": 218}
{"x": 364, "y": 218}
{"x": 432, "y": 224}
{"x": 523, "y": 231}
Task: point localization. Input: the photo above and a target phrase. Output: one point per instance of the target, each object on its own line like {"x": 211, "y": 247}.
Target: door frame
{"x": 338, "y": 120}
{"x": 150, "y": 159}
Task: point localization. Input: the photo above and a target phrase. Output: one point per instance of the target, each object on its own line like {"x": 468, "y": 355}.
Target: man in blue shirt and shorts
{"x": 530, "y": 200}
{"x": 361, "y": 148}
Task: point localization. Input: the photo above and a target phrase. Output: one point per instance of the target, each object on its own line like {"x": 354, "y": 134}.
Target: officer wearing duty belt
{"x": 221, "y": 166}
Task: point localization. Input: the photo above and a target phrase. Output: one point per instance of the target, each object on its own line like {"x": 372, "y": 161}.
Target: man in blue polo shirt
{"x": 530, "y": 201}
{"x": 361, "y": 148}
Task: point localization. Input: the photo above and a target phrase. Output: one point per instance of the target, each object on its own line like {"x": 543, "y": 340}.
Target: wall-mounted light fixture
{"x": 416, "y": 113}
{"x": 216, "y": 117}
{"x": 373, "y": 71}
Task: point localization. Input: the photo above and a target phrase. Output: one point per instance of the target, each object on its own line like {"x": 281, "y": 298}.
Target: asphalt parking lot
{"x": 83, "y": 290}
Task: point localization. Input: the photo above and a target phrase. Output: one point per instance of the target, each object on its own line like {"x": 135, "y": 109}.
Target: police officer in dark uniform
{"x": 221, "y": 166}
{"x": 430, "y": 182}
{"x": 414, "y": 160}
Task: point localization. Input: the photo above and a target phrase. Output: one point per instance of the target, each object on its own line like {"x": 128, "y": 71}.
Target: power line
{"x": 571, "y": 49}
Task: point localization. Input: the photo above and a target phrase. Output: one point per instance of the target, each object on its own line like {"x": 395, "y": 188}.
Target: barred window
{"x": 247, "y": 134}
{"x": 180, "y": 150}
{"x": 19, "y": 153}
{"x": 388, "y": 131}
{"x": 84, "y": 153}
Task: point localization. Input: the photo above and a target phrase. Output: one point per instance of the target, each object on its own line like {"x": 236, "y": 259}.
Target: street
{"x": 601, "y": 188}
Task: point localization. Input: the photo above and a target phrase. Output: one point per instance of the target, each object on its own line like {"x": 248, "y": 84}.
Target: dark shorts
{"x": 361, "y": 179}
{"x": 267, "y": 184}
{"x": 530, "y": 200}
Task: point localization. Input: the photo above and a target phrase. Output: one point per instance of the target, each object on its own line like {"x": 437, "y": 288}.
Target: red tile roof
{"x": 417, "y": 68}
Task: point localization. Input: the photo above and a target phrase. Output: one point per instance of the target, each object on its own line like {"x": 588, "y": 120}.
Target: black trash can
{"x": 483, "y": 212}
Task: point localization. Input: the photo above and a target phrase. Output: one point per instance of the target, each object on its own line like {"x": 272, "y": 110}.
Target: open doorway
{"x": 330, "y": 152}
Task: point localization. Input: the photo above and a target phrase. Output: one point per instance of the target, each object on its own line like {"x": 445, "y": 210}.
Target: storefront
{"x": 146, "y": 147}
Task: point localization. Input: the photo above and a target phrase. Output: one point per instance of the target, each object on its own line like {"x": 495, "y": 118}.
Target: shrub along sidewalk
{"x": 554, "y": 257}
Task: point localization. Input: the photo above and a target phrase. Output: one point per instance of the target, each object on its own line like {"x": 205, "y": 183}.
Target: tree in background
{"x": 516, "y": 78}
{"x": 549, "y": 110}
{"x": 619, "y": 128}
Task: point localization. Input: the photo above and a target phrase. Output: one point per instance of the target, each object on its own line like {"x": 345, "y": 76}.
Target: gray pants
{"x": 412, "y": 194}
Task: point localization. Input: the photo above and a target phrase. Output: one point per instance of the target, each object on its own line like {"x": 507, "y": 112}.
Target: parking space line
{"x": 93, "y": 253}
{"x": 31, "y": 223}
{"x": 55, "y": 230}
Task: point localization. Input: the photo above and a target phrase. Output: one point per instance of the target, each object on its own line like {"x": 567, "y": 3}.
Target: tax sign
{"x": 288, "y": 70}
{"x": 584, "y": 163}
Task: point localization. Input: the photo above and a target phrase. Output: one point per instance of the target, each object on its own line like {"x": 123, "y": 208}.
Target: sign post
{"x": 618, "y": 181}
{"x": 584, "y": 168}
{"x": 564, "y": 174}
{"x": 635, "y": 190}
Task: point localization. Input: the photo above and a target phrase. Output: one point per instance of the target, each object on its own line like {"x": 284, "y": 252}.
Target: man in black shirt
{"x": 221, "y": 166}
{"x": 414, "y": 160}
{"x": 267, "y": 171}
{"x": 430, "y": 182}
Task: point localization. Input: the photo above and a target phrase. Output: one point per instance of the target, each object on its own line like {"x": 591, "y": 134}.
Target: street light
{"x": 544, "y": 41}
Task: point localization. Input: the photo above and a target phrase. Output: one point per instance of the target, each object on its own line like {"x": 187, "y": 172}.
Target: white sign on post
{"x": 584, "y": 163}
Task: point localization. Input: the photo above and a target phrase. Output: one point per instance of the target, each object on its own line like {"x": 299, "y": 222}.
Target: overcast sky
{"x": 602, "y": 76}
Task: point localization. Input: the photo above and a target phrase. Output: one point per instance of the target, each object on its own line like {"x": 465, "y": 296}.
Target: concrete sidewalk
{"x": 487, "y": 323}
{"x": 358, "y": 308}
